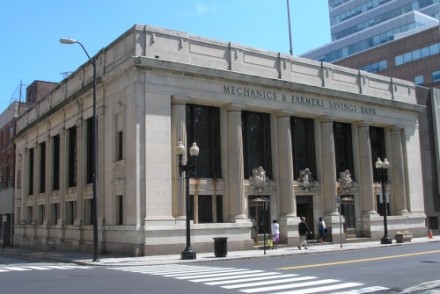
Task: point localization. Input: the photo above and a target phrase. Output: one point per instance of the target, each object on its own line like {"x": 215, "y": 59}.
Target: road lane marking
{"x": 237, "y": 280}
{"x": 259, "y": 276}
{"x": 266, "y": 283}
{"x": 322, "y": 289}
{"x": 356, "y": 260}
{"x": 289, "y": 286}
{"x": 247, "y": 281}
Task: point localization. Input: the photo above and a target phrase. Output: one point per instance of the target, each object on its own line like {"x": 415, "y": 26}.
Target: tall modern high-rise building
{"x": 359, "y": 25}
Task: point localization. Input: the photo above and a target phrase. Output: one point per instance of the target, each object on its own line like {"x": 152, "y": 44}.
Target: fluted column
{"x": 24, "y": 188}
{"x": 235, "y": 163}
{"x": 178, "y": 122}
{"x": 285, "y": 165}
{"x": 63, "y": 173}
{"x": 19, "y": 197}
{"x": 398, "y": 172}
{"x": 48, "y": 181}
{"x": 36, "y": 186}
{"x": 328, "y": 167}
{"x": 366, "y": 181}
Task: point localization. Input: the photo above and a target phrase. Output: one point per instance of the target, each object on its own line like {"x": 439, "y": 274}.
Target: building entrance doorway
{"x": 348, "y": 211}
{"x": 304, "y": 208}
{"x": 259, "y": 213}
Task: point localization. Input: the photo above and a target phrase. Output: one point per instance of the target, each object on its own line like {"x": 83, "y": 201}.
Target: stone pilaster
{"x": 328, "y": 167}
{"x": 48, "y": 182}
{"x": 178, "y": 123}
{"x": 36, "y": 188}
{"x": 235, "y": 164}
{"x": 398, "y": 172}
{"x": 366, "y": 182}
{"x": 285, "y": 165}
{"x": 63, "y": 171}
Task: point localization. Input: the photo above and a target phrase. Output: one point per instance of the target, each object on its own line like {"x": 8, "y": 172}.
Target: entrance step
{"x": 356, "y": 240}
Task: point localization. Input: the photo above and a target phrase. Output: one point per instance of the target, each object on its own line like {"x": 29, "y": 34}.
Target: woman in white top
{"x": 275, "y": 234}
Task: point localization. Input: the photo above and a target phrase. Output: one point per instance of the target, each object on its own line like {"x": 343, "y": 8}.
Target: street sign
{"x": 5, "y": 218}
{"x": 337, "y": 200}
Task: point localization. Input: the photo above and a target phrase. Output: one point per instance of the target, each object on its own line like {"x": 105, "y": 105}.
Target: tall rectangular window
{"x": 119, "y": 146}
{"x": 219, "y": 208}
{"x": 343, "y": 148}
{"x": 54, "y": 213}
{"x": 72, "y": 157}
{"x": 42, "y": 175}
{"x": 31, "y": 172}
{"x": 29, "y": 215}
{"x": 205, "y": 209}
{"x": 89, "y": 151}
{"x": 303, "y": 145}
{"x": 119, "y": 210}
{"x": 70, "y": 212}
{"x": 41, "y": 212}
{"x": 2, "y": 184}
{"x": 9, "y": 173}
{"x": 256, "y": 142}
{"x": 88, "y": 212}
{"x": 56, "y": 163}
{"x": 377, "y": 145}
{"x": 203, "y": 127}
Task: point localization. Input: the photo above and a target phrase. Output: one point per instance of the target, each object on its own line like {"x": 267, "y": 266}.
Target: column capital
{"x": 283, "y": 113}
{"x": 327, "y": 119}
{"x": 364, "y": 123}
{"x": 179, "y": 100}
{"x": 396, "y": 128}
{"x": 233, "y": 107}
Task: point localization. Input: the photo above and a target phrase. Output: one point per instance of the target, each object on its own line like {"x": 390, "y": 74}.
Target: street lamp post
{"x": 69, "y": 41}
{"x": 382, "y": 168}
{"x": 189, "y": 168}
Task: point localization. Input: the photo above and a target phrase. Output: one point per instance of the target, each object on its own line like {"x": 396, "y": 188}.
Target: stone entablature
{"x": 171, "y": 46}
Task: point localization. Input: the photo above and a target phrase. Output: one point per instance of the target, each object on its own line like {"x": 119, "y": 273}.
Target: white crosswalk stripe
{"x": 26, "y": 268}
{"x": 252, "y": 281}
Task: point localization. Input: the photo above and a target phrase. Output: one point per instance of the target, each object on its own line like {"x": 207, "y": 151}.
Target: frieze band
{"x": 300, "y": 100}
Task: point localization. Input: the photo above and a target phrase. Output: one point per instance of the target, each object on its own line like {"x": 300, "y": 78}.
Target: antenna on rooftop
{"x": 14, "y": 96}
{"x": 65, "y": 74}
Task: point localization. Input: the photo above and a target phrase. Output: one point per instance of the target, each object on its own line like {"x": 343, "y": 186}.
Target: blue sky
{"x": 31, "y": 29}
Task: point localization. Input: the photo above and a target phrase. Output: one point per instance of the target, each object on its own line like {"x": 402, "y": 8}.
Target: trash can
{"x": 221, "y": 246}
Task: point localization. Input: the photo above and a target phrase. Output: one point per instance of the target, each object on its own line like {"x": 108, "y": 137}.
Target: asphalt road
{"x": 396, "y": 267}
{"x": 375, "y": 270}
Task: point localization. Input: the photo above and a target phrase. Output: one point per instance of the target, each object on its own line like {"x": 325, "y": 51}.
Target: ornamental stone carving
{"x": 345, "y": 180}
{"x": 305, "y": 179}
{"x": 258, "y": 178}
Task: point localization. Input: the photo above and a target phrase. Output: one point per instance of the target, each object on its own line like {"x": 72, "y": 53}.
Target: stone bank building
{"x": 309, "y": 126}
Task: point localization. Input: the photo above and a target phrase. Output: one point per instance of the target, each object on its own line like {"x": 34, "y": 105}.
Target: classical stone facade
{"x": 245, "y": 109}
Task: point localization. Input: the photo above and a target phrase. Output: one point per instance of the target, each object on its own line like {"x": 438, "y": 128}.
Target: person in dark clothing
{"x": 303, "y": 231}
{"x": 321, "y": 228}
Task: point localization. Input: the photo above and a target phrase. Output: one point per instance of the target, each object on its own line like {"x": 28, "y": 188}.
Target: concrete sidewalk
{"x": 108, "y": 260}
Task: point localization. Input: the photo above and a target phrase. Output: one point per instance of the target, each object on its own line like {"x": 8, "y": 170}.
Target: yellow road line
{"x": 357, "y": 260}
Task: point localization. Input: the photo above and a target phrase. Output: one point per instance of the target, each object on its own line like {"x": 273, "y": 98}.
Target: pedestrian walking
{"x": 321, "y": 229}
{"x": 303, "y": 231}
{"x": 275, "y": 229}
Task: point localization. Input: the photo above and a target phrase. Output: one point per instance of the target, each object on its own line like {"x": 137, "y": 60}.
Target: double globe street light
{"x": 68, "y": 41}
{"x": 382, "y": 168}
{"x": 189, "y": 168}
